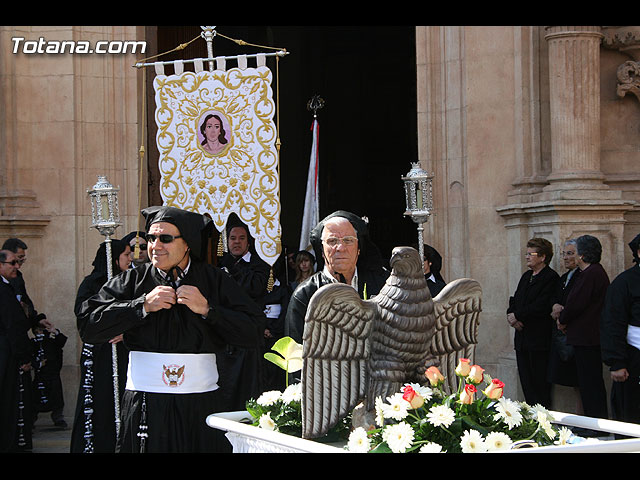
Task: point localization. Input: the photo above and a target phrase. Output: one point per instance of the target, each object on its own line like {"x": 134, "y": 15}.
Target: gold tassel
{"x": 271, "y": 281}
{"x": 220, "y": 246}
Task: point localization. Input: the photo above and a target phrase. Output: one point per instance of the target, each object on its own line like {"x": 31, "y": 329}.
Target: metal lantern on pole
{"x": 418, "y": 191}
{"x": 106, "y": 218}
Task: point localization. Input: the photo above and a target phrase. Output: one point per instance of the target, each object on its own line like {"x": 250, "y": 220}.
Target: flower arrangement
{"x": 423, "y": 418}
{"x": 419, "y": 418}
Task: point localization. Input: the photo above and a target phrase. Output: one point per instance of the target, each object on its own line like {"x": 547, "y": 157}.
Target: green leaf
{"x": 290, "y": 351}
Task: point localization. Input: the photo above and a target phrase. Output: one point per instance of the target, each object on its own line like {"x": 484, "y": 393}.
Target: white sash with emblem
{"x": 172, "y": 372}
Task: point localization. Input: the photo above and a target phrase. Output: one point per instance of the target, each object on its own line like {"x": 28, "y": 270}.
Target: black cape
{"x": 176, "y": 423}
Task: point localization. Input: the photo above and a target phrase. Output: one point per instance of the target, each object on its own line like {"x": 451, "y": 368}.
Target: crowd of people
{"x": 168, "y": 338}
{"x": 567, "y": 327}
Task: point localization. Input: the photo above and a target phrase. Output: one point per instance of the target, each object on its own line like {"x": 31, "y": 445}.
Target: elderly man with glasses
{"x": 175, "y": 313}
{"x": 345, "y": 254}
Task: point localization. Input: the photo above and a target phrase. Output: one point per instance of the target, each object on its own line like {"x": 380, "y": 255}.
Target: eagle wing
{"x": 335, "y": 351}
{"x": 457, "y": 308}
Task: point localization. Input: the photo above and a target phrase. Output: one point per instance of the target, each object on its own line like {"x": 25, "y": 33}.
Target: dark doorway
{"x": 368, "y": 126}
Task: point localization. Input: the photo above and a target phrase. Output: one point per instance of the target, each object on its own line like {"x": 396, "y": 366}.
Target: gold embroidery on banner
{"x": 238, "y": 176}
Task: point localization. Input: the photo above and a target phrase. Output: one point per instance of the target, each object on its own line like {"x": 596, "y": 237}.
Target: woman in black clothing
{"x": 529, "y": 313}
{"x": 94, "y": 428}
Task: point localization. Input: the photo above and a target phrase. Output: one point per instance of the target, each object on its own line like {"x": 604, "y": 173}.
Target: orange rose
{"x": 494, "y": 389}
{"x": 463, "y": 368}
{"x": 414, "y": 398}
{"x": 476, "y": 374}
{"x": 466, "y": 396}
{"x": 434, "y": 376}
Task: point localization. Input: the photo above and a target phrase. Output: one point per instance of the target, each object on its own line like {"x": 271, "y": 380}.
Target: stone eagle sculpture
{"x": 356, "y": 350}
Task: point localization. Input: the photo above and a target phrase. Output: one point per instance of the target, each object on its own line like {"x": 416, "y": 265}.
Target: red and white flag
{"x": 311, "y": 215}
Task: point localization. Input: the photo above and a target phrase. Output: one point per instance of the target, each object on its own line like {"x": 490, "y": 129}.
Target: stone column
{"x": 574, "y": 72}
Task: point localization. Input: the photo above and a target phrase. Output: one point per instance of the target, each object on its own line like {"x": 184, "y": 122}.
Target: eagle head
{"x": 406, "y": 261}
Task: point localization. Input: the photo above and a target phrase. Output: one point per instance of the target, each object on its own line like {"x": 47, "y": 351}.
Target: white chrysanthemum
{"x": 431, "y": 447}
{"x": 269, "y": 398}
{"x": 563, "y": 436}
{"x": 379, "y": 412}
{"x": 472, "y": 442}
{"x": 498, "y": 441}
{"x": 545, "y": 424}
{"x": 538, "y": 409}
{"x": 397, "y": 408}
{"x": 265, "y": 421}
{"x": 441, "y": 415}
{"x": 359, "y": 441}
{"x": 508, "y": 412}
{"x": 422, "y": 390}
{"x": 292, "y": 393}
{"x": 399, "y": 437}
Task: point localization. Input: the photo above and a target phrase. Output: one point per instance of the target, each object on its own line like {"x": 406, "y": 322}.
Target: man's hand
{"x": 191, "y": 297}
{"x": 560, "y": 326}
{"x": 160, "y": 297}
{"x": 620, "y": 375}
{"x": 555, "y": 311}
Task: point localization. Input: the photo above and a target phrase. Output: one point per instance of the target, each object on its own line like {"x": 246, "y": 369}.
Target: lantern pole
{"x": 106, "y": 218}
{"x": 419, "y": 198}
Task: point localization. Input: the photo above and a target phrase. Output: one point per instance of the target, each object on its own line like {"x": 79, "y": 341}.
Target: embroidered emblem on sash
{"x": 173, "y": 375}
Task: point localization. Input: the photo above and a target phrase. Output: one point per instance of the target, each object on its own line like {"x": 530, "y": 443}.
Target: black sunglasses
{"x": 163, "y": 237}
{"x": 141, "y": 246}
{"x": 13, "y": 262}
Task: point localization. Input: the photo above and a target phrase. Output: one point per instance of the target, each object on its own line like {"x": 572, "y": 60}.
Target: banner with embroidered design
{"x": 217, "y": 142}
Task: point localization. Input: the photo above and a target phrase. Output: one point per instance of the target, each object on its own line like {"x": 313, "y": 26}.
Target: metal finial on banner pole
{"x": 315, "y": 104}
{"x": 208, "y": 33}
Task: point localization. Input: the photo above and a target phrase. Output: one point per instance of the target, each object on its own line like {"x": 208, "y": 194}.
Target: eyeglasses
{"x": 142, "y": 246}
{"x": 12, "y": 262}
{"x": 163, "y": 237}
{"x": 568, "y": 254}
{"x": 347, "y": 241}
{"x": 532, "y": 254}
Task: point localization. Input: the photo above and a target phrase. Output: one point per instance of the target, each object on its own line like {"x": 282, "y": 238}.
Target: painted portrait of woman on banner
{"x": 214, "y": 132}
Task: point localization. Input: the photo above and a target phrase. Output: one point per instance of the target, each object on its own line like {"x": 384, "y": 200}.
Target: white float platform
{"x": 245, "y": 438}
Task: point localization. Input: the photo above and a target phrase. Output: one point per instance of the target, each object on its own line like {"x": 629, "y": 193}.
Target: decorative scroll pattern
{"x": 237, "y": 171}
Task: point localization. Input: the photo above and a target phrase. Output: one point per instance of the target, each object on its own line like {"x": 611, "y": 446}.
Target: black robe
{"x": 15, "y": 350}
{"x": 246, "y": 361}
{"x": 94, "y": 424}
{"x": 176, "y": 422}
{"x": 622, "y": 309}
{"x": 47, "y": 385}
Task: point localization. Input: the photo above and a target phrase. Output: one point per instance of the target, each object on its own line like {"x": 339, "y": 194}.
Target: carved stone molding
{"x": 625, "y": 39}
{"x": 628, "y": 79}
{"x": 18, "y": 216}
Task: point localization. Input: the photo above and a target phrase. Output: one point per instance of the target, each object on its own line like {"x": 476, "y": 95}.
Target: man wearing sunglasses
{"x": 19, "y": 249}
{"x": 15, "y": 360}
{"x": 176, "y": 314}
{"x": 345, "y": 254}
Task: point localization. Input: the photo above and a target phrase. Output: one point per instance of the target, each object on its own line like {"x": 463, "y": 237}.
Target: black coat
{"x": 531, "y": 303}
{"x": 582, "y": 311}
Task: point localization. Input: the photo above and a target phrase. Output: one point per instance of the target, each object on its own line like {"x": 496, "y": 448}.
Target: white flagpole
{"x": 311, "y": 214}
